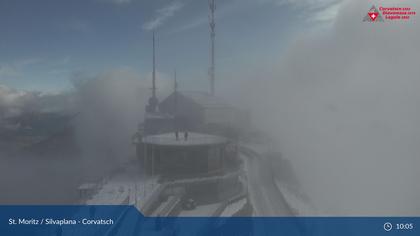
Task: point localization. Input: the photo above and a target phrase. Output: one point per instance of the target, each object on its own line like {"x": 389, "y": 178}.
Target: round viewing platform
{"x": 193, "y": 139}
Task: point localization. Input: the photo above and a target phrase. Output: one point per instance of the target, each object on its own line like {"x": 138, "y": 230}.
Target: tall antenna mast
{"x": 154, "y": 67}
{"x": 212, "y": 6}
{"x": 153, "y": 101}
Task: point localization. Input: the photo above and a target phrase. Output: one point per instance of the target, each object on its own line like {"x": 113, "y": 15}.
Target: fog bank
{"x": 343, "y": 108}
{"x": 111, "y": 107}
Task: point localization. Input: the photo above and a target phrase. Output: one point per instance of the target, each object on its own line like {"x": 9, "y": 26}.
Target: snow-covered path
{"x": 266, "y": 198}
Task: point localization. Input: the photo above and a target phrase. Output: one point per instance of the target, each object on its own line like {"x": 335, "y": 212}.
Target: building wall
{"x": 197, "y": 117}
{"x": 183, "y": 161}
{"x": 215, "y": 157}
{"x": 158, "y": 125}
{"x": 188, "y": 114}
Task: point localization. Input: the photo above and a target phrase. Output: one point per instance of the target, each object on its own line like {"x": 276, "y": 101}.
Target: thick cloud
{"x": 343, "y": 106}
{"x": 111, "y": 107}
{"x": 14, "y": 102}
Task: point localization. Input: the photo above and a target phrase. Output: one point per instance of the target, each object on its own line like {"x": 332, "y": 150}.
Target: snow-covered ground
{"x": 193, "y": 139}
{"x": 299, "y": 205}
{"x": 233, "y": 208}
{"x": 202, "y": 210}
{"x": 264, "y": 195}
{"x": 144, "y": 190}
{"x": 111, "y": 194}
{"x": 125, "y": 187}
{"x": 166, "y": 207}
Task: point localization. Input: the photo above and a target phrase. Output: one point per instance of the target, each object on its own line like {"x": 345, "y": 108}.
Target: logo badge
{"x": 373, "y": 15}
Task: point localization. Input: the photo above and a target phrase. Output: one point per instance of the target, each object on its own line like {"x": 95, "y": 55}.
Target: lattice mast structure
{"x": 212, "y": 69}
{"x": 154, "y": 69}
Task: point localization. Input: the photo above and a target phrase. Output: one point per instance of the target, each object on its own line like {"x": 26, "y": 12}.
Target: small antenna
{"x": 212, "y": 69}
{"x": 175, "y": 82}
{"x": 175, "y": 102}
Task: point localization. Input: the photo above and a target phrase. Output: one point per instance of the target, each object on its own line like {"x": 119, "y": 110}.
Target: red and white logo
{"x": 373, "y": 15}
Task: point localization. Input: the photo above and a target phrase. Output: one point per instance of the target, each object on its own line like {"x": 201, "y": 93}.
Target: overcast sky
{"x": 44, "y": 42}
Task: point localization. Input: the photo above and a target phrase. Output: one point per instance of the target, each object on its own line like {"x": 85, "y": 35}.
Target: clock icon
{"x": 387, "y": 226}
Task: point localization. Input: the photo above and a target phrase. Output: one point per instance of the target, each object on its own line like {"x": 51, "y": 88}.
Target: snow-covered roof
{"x": 205, "y": 99}
{"x": 111, "y": 194}
{"x": 194, "y": 139}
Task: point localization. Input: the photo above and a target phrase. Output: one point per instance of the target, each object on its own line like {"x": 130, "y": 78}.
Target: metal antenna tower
{"x": 153, "y": 101}
{"x": 212, "y": 6}
{"x": 154, "y": 68}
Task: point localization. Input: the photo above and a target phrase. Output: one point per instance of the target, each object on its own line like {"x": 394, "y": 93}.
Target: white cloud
{"x": 327, "y": 14}
{"x": 223, "y": 10}
{"x": 344, "y": 108}
{"x": 118, "y": 97}
{"x": 13, "y": 102}
{"x": 318, "y": 11}
{"x": 301, "y": 3}
{"x": 162, "y": 15}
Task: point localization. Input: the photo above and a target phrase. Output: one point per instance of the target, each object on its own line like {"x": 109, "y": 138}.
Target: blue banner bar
{"x": 127, "y": 220}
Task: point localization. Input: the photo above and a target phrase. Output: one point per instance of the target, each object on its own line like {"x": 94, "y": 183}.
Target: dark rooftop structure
{"x": 194, "y": 110}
